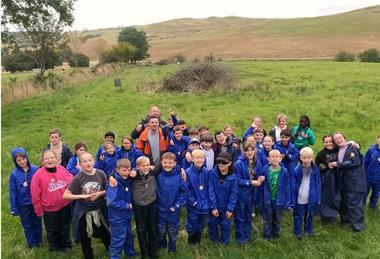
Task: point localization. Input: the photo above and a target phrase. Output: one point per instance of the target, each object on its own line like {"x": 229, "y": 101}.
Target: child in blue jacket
{"x": 119, "y": 203}
{"x": 179, "y": 144}
{"x": 198, "y": 204}
{"x": 276, "y": 193}
{"x": 73, "y": 165}
{"x": 20, "y": 197}
{"x": 171, "y": 197}
{"x": 223, "y": 191}
{"x": 372, "y": 169}
{"x": 290, "y": 154}
{"x": 129, "y": 151}
{"x": 263, "y": 154}
{"x": 307, "y": 192}
{"x": 107, "y": 161}
{"x": 247, "y": 169}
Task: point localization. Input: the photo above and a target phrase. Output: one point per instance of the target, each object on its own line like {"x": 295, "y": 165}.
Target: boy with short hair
{"x": 119, "y": 203}
{"x": 144, "y": 193}
{"x": 307, "y": 192}
{"x": 178, "y": 144}
{"x": 62, "y": 150}
{"x": 206, "y": 145}
{"x": 203, "y": 130}
{"x": 198, "y": 197}
{"x": 289, "y": 152}
{"x": 258, "y": 134}
{"x": 193, "y": 133}
{"x": 276, "y": 194}
{"x": 171, "y": 197}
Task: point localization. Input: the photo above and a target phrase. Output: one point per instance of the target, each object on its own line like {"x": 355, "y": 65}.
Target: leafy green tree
{"x": 138, "y": 39}
{"x": 123, "y": 52}
{"x": 40, "y": 24}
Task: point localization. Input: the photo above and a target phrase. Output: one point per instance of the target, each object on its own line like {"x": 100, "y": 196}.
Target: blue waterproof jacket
{"x": 19, "y": 194}
{"x": 223, "y": 194}
{"x": 101, "y": 151}
{"x": 284, "y": 194}
{"x": 263, "y": 156}
{"x": 179, "y": 147}
{"x": 291, "y": 153}
{"x": 108, "y": 164}
{"x": 197, "y": 184}
{"x": 372, "y": 164}
{"x": 315, "y": 184}
{"x": 72, "y": 165}
{"x": 244, "y": 179}
{"x": 131, "y": 154}
{"x": 171, "y": 191}
{"x": 119, "y": 200}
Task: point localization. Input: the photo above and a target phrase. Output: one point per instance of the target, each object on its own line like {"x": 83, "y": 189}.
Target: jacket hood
{"x": 21, "y": 150}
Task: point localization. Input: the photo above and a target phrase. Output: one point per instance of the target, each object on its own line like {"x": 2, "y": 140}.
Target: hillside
{"x": 236, "y": 37}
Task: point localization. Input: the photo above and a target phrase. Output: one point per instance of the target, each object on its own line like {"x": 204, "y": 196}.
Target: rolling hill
{"x": 238, "y": 38}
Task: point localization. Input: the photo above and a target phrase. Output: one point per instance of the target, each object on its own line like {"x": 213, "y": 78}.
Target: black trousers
{"x": 85, "y": 241}
{"x": 147, "y": 230}
{"x": 352, "y": 209}
{"x": 57, "y": 225}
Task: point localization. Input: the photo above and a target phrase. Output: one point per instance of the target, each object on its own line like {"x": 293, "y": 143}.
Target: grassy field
{"x": 239, "y": 37}
{"x": 337, "y": 96}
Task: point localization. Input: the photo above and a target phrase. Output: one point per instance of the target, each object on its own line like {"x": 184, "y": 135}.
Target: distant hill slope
{"x": 236, "y": 37}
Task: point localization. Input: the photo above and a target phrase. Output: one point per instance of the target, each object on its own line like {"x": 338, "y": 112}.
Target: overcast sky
{"x": 95, "y": 14}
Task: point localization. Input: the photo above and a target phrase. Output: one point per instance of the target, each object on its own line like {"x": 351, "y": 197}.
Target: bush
{"x": 200, "y": 76}
{"x": 17, "y": 61}
{"x": 179, "y": 58}
{"x": 369, "y": 55}
{"x": 82, "y": 60}
{"x": 344, "y": 56}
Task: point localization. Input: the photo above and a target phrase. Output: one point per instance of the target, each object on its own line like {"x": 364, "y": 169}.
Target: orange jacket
{"x": 143, "y": 145}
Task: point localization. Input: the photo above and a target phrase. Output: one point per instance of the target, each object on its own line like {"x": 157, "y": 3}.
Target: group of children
{"x": 218, "y": 178}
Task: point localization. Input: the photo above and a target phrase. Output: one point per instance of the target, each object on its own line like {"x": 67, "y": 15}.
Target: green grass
{"x": 337, "y": 96}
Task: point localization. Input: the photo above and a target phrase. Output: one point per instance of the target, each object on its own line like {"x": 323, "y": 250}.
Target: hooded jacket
{"x": 197, "y": 184}
{"x": 223, "y": 194}
{"x": 19, "y": 195}
{"x": 171, "y": 191}
{"x": 131, "y": 154}
{"x": 119, "y": 200}
{"x": 108, "y": 164}
{"x": 314, "y": 186}
{"x": 179, "y": 147}
{"x": 372, "y": 164}
{"x": 291, "y": 153}
{"x": 246, "y": 189}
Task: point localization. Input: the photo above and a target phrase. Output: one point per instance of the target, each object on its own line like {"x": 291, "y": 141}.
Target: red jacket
{"x": 47, "y": 189}
{"x": 143, "y": 142}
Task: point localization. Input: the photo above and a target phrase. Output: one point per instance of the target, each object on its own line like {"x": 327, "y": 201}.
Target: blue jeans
{"x": 306, "y": 213}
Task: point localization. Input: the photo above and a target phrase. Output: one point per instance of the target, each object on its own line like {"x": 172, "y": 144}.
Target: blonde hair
{"x": 274, "y": 152}
{"x": 197, "y": 152}
{"x": 306, "y": 151}
{"x": 85, "y": 153}
{"x": 142, "y": 160}
{"x": 281, "y": 115}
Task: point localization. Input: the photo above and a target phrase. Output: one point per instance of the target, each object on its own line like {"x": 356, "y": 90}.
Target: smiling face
{"x": 282, "y": 122}
{"x": 256, "y": 123}
{"x": 250, "y": 153}
{"x": 178, "y": 134}
{"x": 339, "y": 140}
{"x": 168, "y": 164}
{"x": 22, "y": 162}
{"x": 274, "y": 158}
{"x": 153, "y": 124}
{"x": 221, "y": 139}
{"x": 127, "y": 144}
{"x": 328, "y": 143}
{"x": 198, "y": 160}
{"x": 306, "y": 159}
{"x": 284, "y": 139}
{"x": 86, "y": 162}
{"x": 303, "y": 122}
{"x": 49, "y": 159}
{"x": 144, "y": 167}
{"x": 80, "y": 151}
{"x": 228, "y": 131}
{"x": 268, "y": 142}
{"x": 223, "y": 165}
{"x": 258, "y": 136}
{"x": 110, "y": 149}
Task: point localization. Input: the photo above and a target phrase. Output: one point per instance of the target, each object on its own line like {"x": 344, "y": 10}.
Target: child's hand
{"x": 133, "y": 173}
{"x": 171, "y": 142}
{"x": 172, "y": 113}
{"x": 215, "y": 213}
{"x": 151, "y": 167}
{"x": 86, "y": 196}
{"x": 188, "y": 157}
{"x": 94, "y": 196}
{"x": 261, "y": 179}
{"x": 172, "y": 209}
{"x": 113, "y": 181}
{"x": 228, "y": 215}
{"x": 332, "y": 165}
{"x": 139, "y": 127}
{"x": 183, "y": 174}
{"x": 255, "y": 183}
{"x": 101, "y": 157}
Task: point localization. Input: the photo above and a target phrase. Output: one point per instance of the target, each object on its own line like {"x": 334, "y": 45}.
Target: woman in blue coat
{"x": 20, "y": 197}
